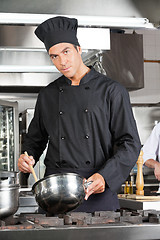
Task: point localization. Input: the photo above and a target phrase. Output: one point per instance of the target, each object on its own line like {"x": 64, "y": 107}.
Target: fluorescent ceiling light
{"x": 25, "y": 69}
{"x": 99, "y": 21}
{"x": 20, "y": 49}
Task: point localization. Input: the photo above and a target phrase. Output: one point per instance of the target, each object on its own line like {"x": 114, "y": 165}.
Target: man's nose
{"x": 63, "y": 60}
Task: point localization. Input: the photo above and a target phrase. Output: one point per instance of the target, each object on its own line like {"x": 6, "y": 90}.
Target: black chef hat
{"x": 57, "y": 30}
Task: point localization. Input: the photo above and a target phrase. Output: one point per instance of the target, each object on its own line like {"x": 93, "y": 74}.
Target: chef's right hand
{"x": 157, "y": 170}
{"x": 24, "y": 161}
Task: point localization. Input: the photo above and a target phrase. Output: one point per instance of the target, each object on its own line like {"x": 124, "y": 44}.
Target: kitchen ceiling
{"x": 115, "y": 8}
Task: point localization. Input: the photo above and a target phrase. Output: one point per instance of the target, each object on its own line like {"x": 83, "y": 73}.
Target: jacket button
{"x": 60, "y": 112}
{"x": 87, "y": 136}
{"x": 87, "y": 88}
{"x": 63, "y": 138}
{"x": 87, "y": 162}
{"x": 61, "y": 90}
{"x": 86, "y": 110}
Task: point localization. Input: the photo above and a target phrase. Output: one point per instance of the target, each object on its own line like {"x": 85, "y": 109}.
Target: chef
{"x": 151, "y": 151}
{"x": 84, "y": 118}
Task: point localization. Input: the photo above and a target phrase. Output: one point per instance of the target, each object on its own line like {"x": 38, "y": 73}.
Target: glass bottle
{"x": 126, "y": 188}
{"x": 131, "y": 187}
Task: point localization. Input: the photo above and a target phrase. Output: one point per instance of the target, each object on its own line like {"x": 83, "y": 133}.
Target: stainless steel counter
{"x": 107, "y": 232}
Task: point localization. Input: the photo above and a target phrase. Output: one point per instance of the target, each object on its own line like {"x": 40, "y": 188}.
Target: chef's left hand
{"x": 97, "y": 186}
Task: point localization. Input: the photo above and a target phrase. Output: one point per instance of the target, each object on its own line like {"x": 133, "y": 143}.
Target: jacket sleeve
{"x": 125, "y": 140}
{"x": 36, "y": 139}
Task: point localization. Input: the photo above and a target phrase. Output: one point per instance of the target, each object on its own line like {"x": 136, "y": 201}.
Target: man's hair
{"x": 75, "y": 46}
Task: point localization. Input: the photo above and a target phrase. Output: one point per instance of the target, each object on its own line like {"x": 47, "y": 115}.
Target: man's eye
{"x": 65, "y": 52}
{"x": 53, "y": 57}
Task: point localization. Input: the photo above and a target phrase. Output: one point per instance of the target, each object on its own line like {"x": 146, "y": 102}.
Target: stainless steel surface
{"x": 126, "y": 224}
{"x": 103, "y": 232}
{"x": 27, "y": 53}
{"x": 9, "y": 199}
{"x": 24, "y": 63}
{"x": 27, "y": 203}
{"x": 7, "y": 178}
{"x": 59, "y": 193}
{"x": 146, "y": 117}
{"x": 25, "y": 119}
{"x": 8, "y": 174}
{"x": 125, "y": 64}
{"x": 83, "y": 20}
{"x": 9, "y": 139}
{"x": 23, "y": 57}
{"x": 114, "y": 8}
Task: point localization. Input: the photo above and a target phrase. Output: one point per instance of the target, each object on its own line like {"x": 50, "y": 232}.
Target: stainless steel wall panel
{"x": 146, "y": 117}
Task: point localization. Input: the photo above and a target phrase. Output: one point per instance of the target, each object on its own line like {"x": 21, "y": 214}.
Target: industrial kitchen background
{"x": 127, "y": 49}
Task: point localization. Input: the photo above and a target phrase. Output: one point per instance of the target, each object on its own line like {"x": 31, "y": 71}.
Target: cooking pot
{"x": 9, "y": 194}
{"x": 60, "y": 193}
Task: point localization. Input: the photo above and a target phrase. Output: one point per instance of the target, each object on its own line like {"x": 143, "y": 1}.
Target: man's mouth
{"x": 66, "y": 69}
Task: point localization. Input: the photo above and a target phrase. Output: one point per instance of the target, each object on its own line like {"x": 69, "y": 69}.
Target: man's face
{"x": 66, "y": 59}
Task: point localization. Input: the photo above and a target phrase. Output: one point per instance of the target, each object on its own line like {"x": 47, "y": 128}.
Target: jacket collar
{"x": 87, "y": 77}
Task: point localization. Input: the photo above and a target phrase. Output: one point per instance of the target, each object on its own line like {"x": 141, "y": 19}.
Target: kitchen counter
{"x": 107, "y": 232}
{"x": 136, "y": 202}
{"x": 139, "y": 204}
{"x": 123, "y": 224}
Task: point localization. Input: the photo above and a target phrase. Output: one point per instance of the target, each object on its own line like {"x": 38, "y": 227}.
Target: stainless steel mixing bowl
{"x": 60, "y": 193}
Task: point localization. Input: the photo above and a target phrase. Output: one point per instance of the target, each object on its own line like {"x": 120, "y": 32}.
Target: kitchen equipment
{"x": 7, "y": 177}
{"x": 9, "y": 143}
{"x": 9, "y": 194}
{"x": 60, "y": 193}
{"x": 27, "y": 202}
{"x": 105, "y": 225}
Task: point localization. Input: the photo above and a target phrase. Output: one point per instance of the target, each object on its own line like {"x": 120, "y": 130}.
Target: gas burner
{"x": 78, "y": 219}
{"x": 87, "y": 219}
{"x": 15, "y": 222}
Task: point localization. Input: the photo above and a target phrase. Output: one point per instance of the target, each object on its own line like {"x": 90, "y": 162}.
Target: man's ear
{"x": 79, "y": 49}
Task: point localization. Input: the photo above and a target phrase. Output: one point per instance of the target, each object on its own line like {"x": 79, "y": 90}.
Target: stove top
{"x": 78, "y": 219}
{"x": 124, "y": 224}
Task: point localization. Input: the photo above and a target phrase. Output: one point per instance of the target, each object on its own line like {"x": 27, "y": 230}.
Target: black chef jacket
{"x": 89, "y": 128}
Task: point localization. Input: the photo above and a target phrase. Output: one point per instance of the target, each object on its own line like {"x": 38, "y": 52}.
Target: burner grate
{"x": 40, "y": 221}
{"x": 15, "y": 223}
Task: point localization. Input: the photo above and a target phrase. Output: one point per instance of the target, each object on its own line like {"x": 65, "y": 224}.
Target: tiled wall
{"x": 151, "y": 47}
